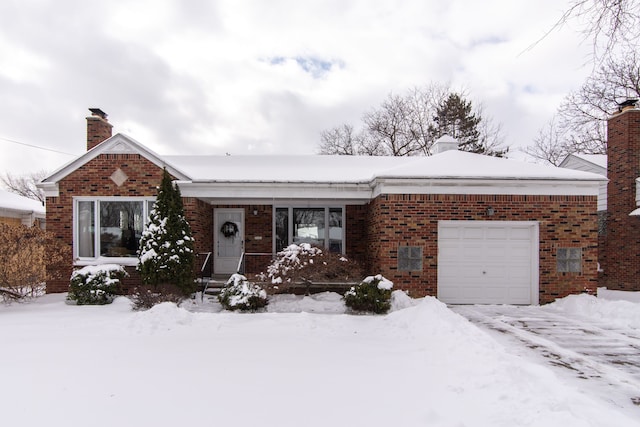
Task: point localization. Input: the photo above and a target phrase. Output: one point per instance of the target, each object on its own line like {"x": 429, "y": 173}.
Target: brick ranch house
{"x": 618, "y": 200}
{"x": 464, "y": 227}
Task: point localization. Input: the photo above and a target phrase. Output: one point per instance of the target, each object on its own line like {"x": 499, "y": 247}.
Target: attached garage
{"x": 488, "y": 262}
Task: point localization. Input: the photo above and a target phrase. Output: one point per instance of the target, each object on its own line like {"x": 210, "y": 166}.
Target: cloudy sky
{"x": 265, "y": 77}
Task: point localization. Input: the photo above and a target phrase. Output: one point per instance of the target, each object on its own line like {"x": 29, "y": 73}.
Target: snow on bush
{"x": 240, "y": 294}
{"x": 95, "y": 284}
{"x": 306, "y": 263}
{"x": 166, "y": 254}
{"x": 373, "y": 295}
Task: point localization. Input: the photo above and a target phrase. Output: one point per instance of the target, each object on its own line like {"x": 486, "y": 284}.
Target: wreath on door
{"x": 229, "y": 229}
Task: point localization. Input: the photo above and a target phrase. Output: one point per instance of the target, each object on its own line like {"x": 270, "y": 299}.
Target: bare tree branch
{"x": 339, "y": 140}
{"x": 406, "y": 126}
{"x": 25, "y": 185}
{"x": 548, "y": 146}
{"x": 580, "y": 125}
{"x": 607, "y": 23}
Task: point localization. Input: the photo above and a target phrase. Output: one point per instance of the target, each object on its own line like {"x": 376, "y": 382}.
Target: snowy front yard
{"x": 420, "y": 365}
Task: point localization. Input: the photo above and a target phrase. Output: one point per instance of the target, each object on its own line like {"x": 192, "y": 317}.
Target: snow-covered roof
{"x": 351, "y": 169}
{"x": 15, "y": 202}
{"x": 269, "y": 177}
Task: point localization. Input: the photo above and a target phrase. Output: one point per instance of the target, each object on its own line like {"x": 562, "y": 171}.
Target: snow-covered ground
{"x": 303, "y": 363}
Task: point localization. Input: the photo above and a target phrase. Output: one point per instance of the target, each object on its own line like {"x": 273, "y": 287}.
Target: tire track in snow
{"x": 604, "y": 361}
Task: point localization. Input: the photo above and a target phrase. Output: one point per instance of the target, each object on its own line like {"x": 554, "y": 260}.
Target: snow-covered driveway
{"x": 603, "y": 357}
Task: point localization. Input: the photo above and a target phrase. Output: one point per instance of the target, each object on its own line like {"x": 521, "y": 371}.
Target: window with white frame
{"x": 319, "y": 226}
{"x": 109, "y": 227}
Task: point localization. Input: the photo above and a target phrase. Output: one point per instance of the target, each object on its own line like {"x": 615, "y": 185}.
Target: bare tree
{"x": 608, "y": 23}
{"x": 548, "y": 146}
{"x": 25, "y": 185}
{"x": 490, "y": 135}
{"x": 423, "y": 103}
{"x": 617, "y": 79}
{"x": 339, "y": 140}
{"x": 580, "y": 124}
{"x": 388, "y": 127}
{"x": 406, "y": 126}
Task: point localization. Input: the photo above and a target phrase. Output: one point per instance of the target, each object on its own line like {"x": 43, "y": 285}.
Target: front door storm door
{"x": 228, "y": 240}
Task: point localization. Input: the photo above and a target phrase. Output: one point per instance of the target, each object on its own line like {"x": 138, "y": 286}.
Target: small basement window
{"x": 569, "y": 260}
{"x": 410, "y": 258}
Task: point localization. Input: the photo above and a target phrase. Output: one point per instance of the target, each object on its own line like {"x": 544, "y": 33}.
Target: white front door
{"x": 228, "y": 240}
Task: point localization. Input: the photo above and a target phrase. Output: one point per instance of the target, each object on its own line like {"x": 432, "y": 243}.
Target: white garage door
{"x": 488, "y": 262}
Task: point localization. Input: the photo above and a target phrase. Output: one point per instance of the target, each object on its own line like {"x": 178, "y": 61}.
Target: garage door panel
{"x": 520, "y": 233}
{"x": 472, "y": 233}
{"x": 493, "y": 233}
{"x": 471, "y": 252}
{"x": 487, "y": 262}
{"x": 449, "y": 233}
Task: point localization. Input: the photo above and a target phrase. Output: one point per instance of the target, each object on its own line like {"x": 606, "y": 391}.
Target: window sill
{"x": 126, "y": 261}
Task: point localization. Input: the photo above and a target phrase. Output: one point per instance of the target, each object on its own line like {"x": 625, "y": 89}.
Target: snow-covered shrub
{"x": 166, "y": 255}
{"x": 240, "y": 294}
{"x": 373, "y": 294}
{"x": 95, "y": 284}
{"x": 144, "y": 297}
{"x": 305, "y": 263}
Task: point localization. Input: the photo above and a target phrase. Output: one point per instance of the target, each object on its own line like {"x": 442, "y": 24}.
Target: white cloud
{"x": 266, "y": 77}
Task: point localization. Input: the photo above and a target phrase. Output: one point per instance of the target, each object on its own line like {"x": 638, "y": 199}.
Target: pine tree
{"x": 456, "y": 117}
{"x": 166, "y": 255}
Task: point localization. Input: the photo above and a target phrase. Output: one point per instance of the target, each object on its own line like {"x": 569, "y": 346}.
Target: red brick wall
{"x": 565, "y": 221}
{"x": 355, "y": 229}
{"x": 199, "y": 214}
{"x": 92, "y": 179}
{"x": 620, "y": 251}
{"x": 98, "y": 129}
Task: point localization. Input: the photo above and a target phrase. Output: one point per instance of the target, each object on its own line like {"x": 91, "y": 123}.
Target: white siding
{"x": 575, "y": 162}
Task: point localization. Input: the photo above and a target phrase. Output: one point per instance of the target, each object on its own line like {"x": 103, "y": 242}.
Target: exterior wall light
{"x": 490, "y": 211}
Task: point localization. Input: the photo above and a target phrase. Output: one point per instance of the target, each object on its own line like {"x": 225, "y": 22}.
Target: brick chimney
{"x": 620, "y": 245}
{"x": 98, "y": 128}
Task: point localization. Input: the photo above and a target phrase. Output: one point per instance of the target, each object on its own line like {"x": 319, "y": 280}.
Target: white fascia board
{"x": 20, "y": 213}
{"x": 488, "y": 186}
{"x": 50, "y": 189}
{"x": 275, "y": 190}
{"x": 117, "y": 144}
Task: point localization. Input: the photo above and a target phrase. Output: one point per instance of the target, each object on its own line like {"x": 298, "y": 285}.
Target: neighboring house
{"x": 619, "y": 242}
{"x": 619, "y": 200}
{"x": 20, "y": 210}
{"x": 596, "y": 163}
{"x": 464, "y": 227}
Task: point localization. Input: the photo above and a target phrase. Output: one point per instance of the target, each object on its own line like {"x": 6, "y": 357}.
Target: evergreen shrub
{"x": 166, "y": 255}
{"x": 240, "y": 294}
{"x": 372, "y": 295}
{"x": 95, "y": 284}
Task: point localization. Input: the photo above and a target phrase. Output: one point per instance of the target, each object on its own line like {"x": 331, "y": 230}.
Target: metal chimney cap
{"x": 629, "y": 102}
{"x": 98, "y": 112}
